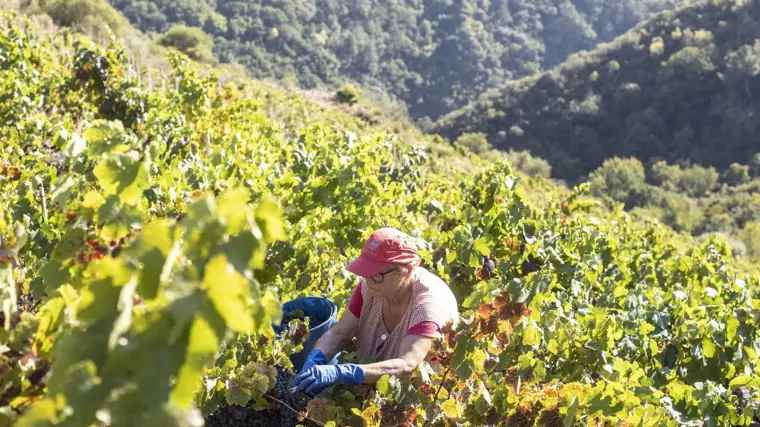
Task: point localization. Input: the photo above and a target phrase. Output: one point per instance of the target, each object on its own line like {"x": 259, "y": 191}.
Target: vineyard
{"x": 150, "y": 232}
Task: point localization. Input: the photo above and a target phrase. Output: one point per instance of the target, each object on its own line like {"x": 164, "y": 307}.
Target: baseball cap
{"x": 385, "y": 246}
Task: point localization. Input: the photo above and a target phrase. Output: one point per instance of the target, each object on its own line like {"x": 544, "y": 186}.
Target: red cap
{"x": 385, "y": 246}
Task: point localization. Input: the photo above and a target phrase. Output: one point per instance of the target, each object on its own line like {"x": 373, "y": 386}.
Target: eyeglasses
{"x": 379, "y": 277}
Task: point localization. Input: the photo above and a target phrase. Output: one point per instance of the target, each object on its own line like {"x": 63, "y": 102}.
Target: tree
{"x": 750, "y": 235}
{"x": 736, "y": 174}
{"x": 622, "y": 179}
{"x": 86, "y": 15}
{"x": 189, "y": 40}
{"x": 475, "y": 142}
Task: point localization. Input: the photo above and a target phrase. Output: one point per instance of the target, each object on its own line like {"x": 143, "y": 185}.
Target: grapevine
{"x": 148, "y": 237}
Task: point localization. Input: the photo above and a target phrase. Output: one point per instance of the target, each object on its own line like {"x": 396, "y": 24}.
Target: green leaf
{"x": 236, "y": 395}
{"x": 266, "y": 310}
{"x": 124, "y": 319}
{"x": 731, "y": 326}
{"x": 482, "y": 247}
{"x": 473, "y": 259}
{"x": 529, "y": 232}
{"x": 61, "y": 192}
{"x": 229, "y": 291}
{"x": 75, "y": 146}
{"x": 233, "y": 207}
{"x": 570, "y": 417}
{"x": 270, "y": 215}
{"x": 155, "y": 243}
{"x": 517, "y": 291}
{"x": 201, "y": 348}
{"x": 122, "y": 175}
{"x": 105, "y": 136}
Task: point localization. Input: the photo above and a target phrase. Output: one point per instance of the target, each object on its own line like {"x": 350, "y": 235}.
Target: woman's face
{"x": 387, "y": 283}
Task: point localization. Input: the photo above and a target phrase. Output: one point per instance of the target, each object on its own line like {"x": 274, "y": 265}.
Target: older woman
{"x": 394, "y": 313}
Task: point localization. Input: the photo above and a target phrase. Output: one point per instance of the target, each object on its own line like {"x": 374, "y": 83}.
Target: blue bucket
{"x": 322, "y": 313}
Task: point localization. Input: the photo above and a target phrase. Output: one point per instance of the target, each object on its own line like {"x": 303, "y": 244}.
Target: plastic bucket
{"x": 322, "y": 313}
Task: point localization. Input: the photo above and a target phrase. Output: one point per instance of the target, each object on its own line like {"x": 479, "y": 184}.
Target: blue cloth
{"x": 318, "y": 378}
{"x": 315, "y": 357}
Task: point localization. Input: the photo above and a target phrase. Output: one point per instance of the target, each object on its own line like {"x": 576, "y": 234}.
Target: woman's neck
{"x": 403, "y": 293}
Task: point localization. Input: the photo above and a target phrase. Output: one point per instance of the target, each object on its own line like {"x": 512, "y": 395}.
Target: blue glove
{"x": 315, "y": 357}
{"x": 318, "y": 378}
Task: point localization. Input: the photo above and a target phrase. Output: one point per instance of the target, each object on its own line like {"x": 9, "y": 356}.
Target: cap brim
{"x": 364, "y": 267}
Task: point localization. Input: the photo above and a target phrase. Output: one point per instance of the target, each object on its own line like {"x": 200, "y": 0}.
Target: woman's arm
{"x": 339, "y": 336}
{"x": 414, "y": 349}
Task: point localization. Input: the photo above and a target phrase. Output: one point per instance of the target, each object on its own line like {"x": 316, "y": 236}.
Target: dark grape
{"x": 279, "y": 415}
{"x": 530, "y": 267}
{"x": 488, "y": 268}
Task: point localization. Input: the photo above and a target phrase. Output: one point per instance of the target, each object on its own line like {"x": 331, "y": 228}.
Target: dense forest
{"x": 432, "y": 55}
{"x": 681, "y": 88}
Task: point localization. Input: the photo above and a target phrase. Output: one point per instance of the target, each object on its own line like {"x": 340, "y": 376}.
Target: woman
{"x": 394, "y": 313}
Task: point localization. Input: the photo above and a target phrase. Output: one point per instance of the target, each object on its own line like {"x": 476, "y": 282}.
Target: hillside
{"x": 681, "y": 87}
{"x": 149, "y": 232}
{"x": 433, "y": 55}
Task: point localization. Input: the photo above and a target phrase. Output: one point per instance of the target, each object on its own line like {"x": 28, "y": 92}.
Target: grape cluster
{"x": 277, "y": 416}
{"x": 744, "y": 397}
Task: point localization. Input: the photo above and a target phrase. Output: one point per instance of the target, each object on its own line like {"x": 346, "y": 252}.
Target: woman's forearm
{"x": 331, "y": 343}
{"x": 400, "y": 367}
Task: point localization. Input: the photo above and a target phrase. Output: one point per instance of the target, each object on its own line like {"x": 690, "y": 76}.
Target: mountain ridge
{"x": 654, "y": 93}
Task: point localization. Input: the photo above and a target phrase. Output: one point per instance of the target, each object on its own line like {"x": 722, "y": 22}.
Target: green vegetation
{"x": 191, "y": 41}
{"x": 693, "y": 199}
{"x": 680, "y": 88}
{"x": 148, "y": 235}
{"x": 433, "y": 55}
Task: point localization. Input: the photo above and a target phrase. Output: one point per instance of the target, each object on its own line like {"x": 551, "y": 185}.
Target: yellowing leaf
{"x": 708, "y": 347}
{"x": 553, "y": 347}
{"x": 740, "y": 381}
{"x": 531, "y": 335}
{"x": 42, "y": 413}
{"x": 93, "y": 200}
{"x": 479, "y": 357}
{"x": 452, "y": 409}
{"x": 646, "y": 328}
{"x": 229, "y": 291}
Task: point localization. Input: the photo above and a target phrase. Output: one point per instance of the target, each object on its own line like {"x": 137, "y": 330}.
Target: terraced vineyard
{"x": 149, "y": 236}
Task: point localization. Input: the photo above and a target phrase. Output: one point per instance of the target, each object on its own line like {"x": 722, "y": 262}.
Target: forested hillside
{"x": 681, "y": 88}
{"x": 433, "y": 55}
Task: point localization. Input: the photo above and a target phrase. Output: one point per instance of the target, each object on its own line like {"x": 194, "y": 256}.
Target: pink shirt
{"x": 431, "y": 306}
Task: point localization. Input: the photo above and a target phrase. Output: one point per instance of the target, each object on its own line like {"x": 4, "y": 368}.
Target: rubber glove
{"x": 317, "y": 378}
{"x": 315, "y": 357}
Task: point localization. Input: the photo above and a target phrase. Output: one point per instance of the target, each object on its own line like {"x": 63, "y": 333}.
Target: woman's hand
{"x": 317, "y": 378}
{"x": 315, "y": 357}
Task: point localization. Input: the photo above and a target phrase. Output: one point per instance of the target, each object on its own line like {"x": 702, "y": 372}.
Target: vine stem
{"x": 440, "y": 386}
{"x": 292, "y": 409}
